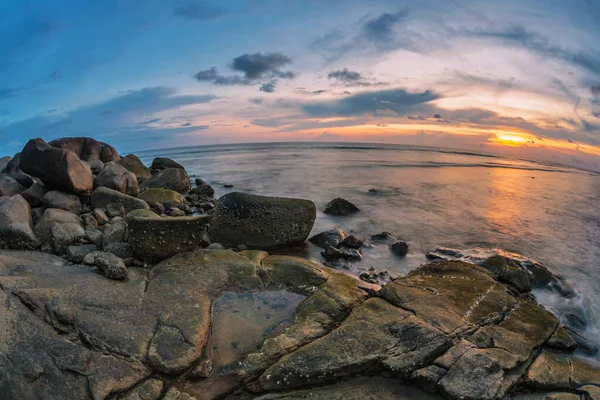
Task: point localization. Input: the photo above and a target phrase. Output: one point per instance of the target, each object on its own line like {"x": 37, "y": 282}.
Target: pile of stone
{"x": 79, "y": 199}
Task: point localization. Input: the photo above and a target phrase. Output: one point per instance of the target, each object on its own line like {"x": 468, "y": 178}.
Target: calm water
{"x": 429, "y": 198}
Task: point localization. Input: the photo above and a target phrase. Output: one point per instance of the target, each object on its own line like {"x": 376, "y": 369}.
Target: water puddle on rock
{"x": 242, "y": 321}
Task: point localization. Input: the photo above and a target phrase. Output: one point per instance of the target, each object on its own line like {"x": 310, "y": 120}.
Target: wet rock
{"x": 87, "y": 149}
{"x": 114, "y": 233}
{"x": 57, "y": 168}
{"x": 34, "y": 194}
{"x": 155, "y": 239}
{"x": 261, "y": 222}
{"x": 333, "y": 237}
{"x": 561, "y": 340}
{"x": 340, "y": 207}
{"x": 133, "y": 164}
{"x": 161, "y": 163}
{"x": 63, "y": 201}
{"x": 114, "y": 176}
{"x": 171, "y": 178}
{"x": 9, "y": 186}
{"x": 112, "y": 266}
{"x": 166, "y": 197}
{"x": 76, "y": 254}
{"x": 383, "y": 236}
{"x": 399, "y": 248}
{"x": 203, "y": 190}
{"x": 352, "y": 242}
{"x": 227, "y": 186}
{"x": 332, "y": 254}
{"x": 103, "y": 196}
{"x": 115, "y": 210}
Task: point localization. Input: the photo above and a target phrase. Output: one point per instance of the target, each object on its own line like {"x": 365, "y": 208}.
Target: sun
{"x": 510, "y": 139}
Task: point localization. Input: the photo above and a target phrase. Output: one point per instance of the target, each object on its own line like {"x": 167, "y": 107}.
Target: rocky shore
{"x": 121, "y": 281}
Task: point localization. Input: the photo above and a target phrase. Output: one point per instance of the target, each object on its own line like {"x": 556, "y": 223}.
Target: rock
{"x": 133, "y": 164}
{"x": 23, "y": 179}
{"x": 76, "y": 254}
{"x": 94, "y": 236}
{"x": 333, "y": 254}
{"x": 203, "y": 190}
{"x": 261, "y": 222}
{"x": 63, "y": 201}
{"x": 176, "y": 212}
{"x": 215, "y": 246}
{"x": 103, "y": 196}
{"x": 352, "y": 242}
{"x": 114, "y": 233}
{"x": 87, "y": 149}
{"x": 174, "y": 394}
{"x": 333, "y": 237}
{"x": 114, "y": 176}
{"x": 161, "y": 163}
{"x": 34, "y": 194}
{"x": 561, "y": 340}
{"x": 58, "y": 168}
{"x": 9, "y": 186}
{"x": 52, "y": 217}
{"x": 13, "y": 209}
{"x": 65, "y": 235}
{"x": 112, "y": 266}
{"x": 150, "y": 389}
{"x": 475, "y": 376}
{"x": 171, "y": 178}
{"x": 13, "y": 165}
{"x": 114, "y": 210}
{"x": 399, "y": 248}
{"x": 20, "y": 236}
{"x": 156, "y": 239}
{"x": 383, "y": 236}
{"x": 227, "y": 186}
{"x": 4, "y": 162}
{"x": 96, "y": 166}
{"x": 340, "y": 207}
{"x": 140, "y": 214}
{"x": 122, "y": 250}
{"x": 100, "y": 216}
{"x": 166, "y": 197}
{"x": 205, "y": 206}
{"x": 89, "y": 221}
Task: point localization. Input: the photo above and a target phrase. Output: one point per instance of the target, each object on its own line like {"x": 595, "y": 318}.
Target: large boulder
{"x": 160, "y": 163}
{"x": 4, "y": 162}
{"x": 166, "y": 197}
{"x": 132, "y": 163}
{"x": 87, "y": 149}
{"x": 63, "y": 201}
{"x": 45, "y": 228}
{"x": 15, "y": 223}
{"x": 58, "y": 168}
{"x": 171, "y": 178}
{"x": 156, "y": 239}
{"x": 9, "y": 186}
{"x": 116, "y": 177}
{"x": 104, "y": 196}
{"x": 34, "y": 194}
{"x": 13, "y": 165}
{"x": 261, "y": 222}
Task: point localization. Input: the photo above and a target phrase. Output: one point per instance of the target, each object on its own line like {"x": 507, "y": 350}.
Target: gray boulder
{"x": 52, "y": 217}
{"x": 76, "y": 254}
{"x": 156, "y": 239}
{"x": 97, "y": 166}
{"x": 112, "y": 266}
{"x": 9, "y": 186}
{"x": 133, "y": 164}
{"x": 114, "y": 233}
{"x": 160, "y": 163}
{"x": 333, "y": 237}
{"x": 23, "y": 179}
{"x": 65, "y": 235}
{"x": 116, "y": 177}
{"x": 15, "y": 223}
{"x": 171, "y": 178}
{"x": 13, "y": 165}
{"x": 63, "y": 201}
{"x": 4, "y": 162}
{"x": 122, "y": 250}
{"x": 261, "y": 222}
{"x": 100, "y": 216}
{"x": 104, "y": 196}
{"x": 34, "y": 194}
{"x": 87, "y": 149}
{"x": 57, "y": 168}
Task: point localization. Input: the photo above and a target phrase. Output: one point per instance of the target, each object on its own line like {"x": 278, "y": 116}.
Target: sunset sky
{"x": 511, "y": 77}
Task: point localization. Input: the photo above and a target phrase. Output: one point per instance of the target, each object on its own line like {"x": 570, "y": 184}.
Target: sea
{"x": 430, "y": 198}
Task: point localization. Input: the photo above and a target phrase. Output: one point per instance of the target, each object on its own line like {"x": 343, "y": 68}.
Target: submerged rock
{"x": 399, "y": 248}
{"x": 340, "y": 207}
{"x": 261, "y": 222}
{"x": 332, "y": 254}
{"x": 352, "y": 242}
{"x": 383, "y": 236}
{"x": 333, "y": 237}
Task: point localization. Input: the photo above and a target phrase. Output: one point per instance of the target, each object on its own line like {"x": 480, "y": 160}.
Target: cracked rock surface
{"x": 449, "y": 329}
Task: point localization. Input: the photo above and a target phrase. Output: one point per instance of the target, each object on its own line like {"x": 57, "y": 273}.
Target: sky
{"x": 512, "y": 77}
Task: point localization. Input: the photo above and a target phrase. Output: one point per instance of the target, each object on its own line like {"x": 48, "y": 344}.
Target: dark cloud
{"x": 150, "y": 121}
{"x": 302, "y": 90}
{"x": 381, "y": 29}
{"x": 257, "y": 68}
{"x": 186, "y": 124}
{"x": 269, "y": 87}
{"x": 5, "y": 93}
{"x": 263, "y": 66}
{"x": 198, "y": 10}
{"x": 398, "y": 101}
{"x": 345, "y": 75}
{"x": 256, "y": 100}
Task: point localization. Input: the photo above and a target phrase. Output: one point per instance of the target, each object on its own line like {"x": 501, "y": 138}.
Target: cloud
{"x": 345, "y": 75}
{"x": 381, "y": 29}
{"x": 399, "y": 101}
{"x": 269, "y": 87}
{"x": 198, "y": 10}
{"x": 257, "y": 68}
{"x": 256, "y": 100}
{"x": 302, "y": 90}
{"x": 129, "y": 117}
{"x": 328, "y": 137}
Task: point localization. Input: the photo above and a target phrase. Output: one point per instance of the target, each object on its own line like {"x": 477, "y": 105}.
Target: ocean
{"x": 429, "y": 198}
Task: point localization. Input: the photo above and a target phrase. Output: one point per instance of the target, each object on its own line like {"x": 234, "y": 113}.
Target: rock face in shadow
{"x": 449, "y": 327}
{"x": 87, "y": 149}
{"x": 58, "y": 168}
{"x": 261, "y": 222}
